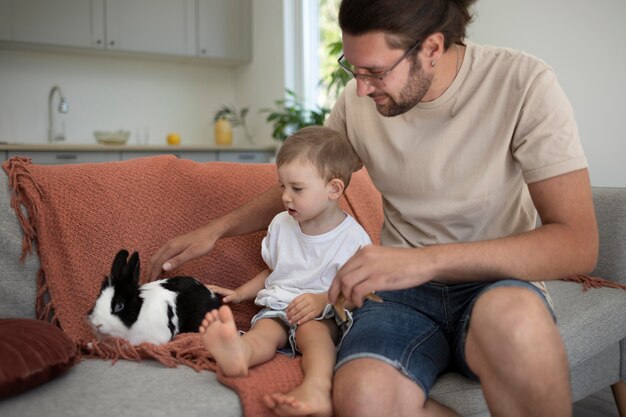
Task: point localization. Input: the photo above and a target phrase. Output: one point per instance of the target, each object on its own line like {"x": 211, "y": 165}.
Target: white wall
{"x": 262, "y": 82}
{"x": 583, "y": 42}
{"x": 107, "y": 93}
{"x": 157, "y": 95}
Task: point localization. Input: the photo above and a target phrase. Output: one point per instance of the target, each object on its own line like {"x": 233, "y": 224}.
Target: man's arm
{"x": 251, "y": 217}
{"x": 566, "y": 244}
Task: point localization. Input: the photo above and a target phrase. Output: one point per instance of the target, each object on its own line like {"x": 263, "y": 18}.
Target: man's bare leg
{"x": 369, "y": 387}
{"x": 515, "y": 348}
{"x": 313, "y": 396}
{"x": 235, "y": 354}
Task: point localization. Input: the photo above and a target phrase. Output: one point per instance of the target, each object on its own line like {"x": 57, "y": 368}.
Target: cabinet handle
{"x": 66, "y": 156}
{"x": 246, "y": 157}
{"x": 112, "y": 43}
{"x": 203, "y": 51}
{"x": 99, "y": 42}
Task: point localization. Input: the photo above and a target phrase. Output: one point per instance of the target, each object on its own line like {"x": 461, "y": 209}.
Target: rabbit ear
{"x": 133, "y": 268}
{"x": 119, "y": 264}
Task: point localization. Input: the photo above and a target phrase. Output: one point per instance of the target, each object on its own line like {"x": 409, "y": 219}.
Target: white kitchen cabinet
{"x": 251, "y": 157}
{"x": 194, "y": 156}
{"x": 65, "y": 157}
{"x": 224, "y": 29}
{"x": 214, "y": 29}
{"x": 78, "y": 23}
{"x": 151, "y": 26}
{"x": 74, "y": 153}
{"x": 5, "y": 20}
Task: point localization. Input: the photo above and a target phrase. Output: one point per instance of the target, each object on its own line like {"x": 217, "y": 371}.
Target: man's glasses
{"x": 374, "y": 80}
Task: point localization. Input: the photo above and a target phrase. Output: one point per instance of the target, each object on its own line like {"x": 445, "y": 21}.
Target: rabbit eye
{"x": 118, "y": 307}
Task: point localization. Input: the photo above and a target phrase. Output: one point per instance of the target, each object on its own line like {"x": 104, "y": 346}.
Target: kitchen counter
{"x": 76, "y": 147}
{"x": 68, "y": 153}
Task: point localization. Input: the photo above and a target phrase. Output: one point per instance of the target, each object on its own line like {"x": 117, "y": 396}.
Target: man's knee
{"x": 513, "y": 313}
{"x": 368, "y": 387}
{"x": 509, "y": 325}
{"x": 515, "y": 348}
{"x": 352, "y": 388}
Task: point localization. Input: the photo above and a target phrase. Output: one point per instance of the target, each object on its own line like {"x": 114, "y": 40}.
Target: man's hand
{"x": 181, "y": 249}
{"x": 378, "y": 268}
{"x": 253, "y": 216}
{"x": 306, "y": 307}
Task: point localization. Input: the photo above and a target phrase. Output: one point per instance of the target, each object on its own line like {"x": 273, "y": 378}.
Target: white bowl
{"x": 112, "y": 138}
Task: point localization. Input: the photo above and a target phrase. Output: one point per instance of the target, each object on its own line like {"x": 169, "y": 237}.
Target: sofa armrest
{"x": 610, "y": 206}
{"x": 17, "y": 279}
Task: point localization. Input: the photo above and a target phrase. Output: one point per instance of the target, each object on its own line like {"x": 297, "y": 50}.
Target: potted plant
{"x": 334, "y": 78}
{"x": 290, "y": 116}
{"x": 228, "y": 117}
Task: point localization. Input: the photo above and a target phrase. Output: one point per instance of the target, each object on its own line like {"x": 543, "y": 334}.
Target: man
{"x": 466, "y": 144}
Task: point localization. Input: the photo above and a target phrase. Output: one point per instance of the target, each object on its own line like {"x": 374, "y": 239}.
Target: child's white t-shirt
{"x": 302, "y": 263}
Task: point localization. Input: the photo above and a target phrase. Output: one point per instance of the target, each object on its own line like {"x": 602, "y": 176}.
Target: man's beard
{"x": 412, "y": 93}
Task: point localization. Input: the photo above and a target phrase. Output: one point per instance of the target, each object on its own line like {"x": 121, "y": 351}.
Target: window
{"x": 331, "y": 80}
{"x": 301, "y": 38}
{"x": 312, "y": 46}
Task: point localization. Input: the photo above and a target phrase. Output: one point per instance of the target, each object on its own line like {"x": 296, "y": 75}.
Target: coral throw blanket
{"x": 81, "y": 215}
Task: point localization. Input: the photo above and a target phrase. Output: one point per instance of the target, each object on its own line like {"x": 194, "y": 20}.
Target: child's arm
{"x": 245, "y": 292}
{"x": 306, "y": 307}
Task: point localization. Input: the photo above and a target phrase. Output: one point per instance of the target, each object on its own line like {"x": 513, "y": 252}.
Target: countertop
{"x": 75, "y": 147}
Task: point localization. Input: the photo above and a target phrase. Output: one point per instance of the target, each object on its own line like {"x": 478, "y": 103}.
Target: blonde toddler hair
{"x": 328, "y": 150}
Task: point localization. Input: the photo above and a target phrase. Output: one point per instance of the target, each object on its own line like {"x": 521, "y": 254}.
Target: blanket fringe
{"x": 589, "y": 282}
{"x": 44, "y": 307}
{"x": 18, "y": 174}
{"x": 185, "y": 350}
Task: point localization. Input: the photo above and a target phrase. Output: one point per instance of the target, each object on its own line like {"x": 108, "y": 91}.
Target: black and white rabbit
{"x": 153, "y": 313}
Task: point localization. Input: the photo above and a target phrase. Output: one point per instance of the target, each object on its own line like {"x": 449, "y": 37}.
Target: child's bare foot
{"x": 305, "y": 400}
{"x": 220, "y": 337}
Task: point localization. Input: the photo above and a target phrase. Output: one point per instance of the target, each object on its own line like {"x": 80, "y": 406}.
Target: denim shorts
{"x": 420, "y": 331}
{"x": 292, "y": 346}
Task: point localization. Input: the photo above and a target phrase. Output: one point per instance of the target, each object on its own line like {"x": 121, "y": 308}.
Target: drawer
{"x": 194, "y": 156}
{"x": 247, "y": 157}
{"x": 66, "y": 157}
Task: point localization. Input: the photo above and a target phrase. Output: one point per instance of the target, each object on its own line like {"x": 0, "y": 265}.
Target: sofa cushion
{"x": 31, "y": 352}
{"x": 589, "y": 321}
{"x": 97, "y": 388}
{"x": 610, "y": 206}
{"x": 17, "y": 278}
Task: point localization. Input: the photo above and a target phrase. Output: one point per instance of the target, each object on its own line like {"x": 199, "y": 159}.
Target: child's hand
{"x": 306, "y": 307}
{"x": 228, "y": 295}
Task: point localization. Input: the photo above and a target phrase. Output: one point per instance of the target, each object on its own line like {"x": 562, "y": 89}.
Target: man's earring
{"x": 432, "y": 63}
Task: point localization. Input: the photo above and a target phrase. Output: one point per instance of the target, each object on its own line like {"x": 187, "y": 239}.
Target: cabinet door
{"x": 57, "y": 22}
{"x": 194, "y": 156}
{"x": 5, "y": 20}
{"x": 224, "y": 29}
{"x": 66, "y": 157}
{"x": 153, "y": 26}
{"x": 253, "y": 157}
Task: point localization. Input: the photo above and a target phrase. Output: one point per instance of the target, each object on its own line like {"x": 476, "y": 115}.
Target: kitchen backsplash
{"x": 149, "y": 97}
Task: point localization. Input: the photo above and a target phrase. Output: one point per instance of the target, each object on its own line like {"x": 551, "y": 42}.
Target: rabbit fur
{"x": 152, "y": 313}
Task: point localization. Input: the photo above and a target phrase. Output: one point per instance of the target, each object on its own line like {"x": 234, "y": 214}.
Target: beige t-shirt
{"x": 455, "y": 169}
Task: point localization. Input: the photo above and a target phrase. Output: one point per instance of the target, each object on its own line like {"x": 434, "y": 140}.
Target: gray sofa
{"x": 592, "y": 324}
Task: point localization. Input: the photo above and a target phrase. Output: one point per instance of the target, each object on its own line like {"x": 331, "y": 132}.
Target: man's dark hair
{"x": 409, "y": 21}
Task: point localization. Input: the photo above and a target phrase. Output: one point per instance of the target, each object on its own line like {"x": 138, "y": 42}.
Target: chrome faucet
{"x": 62, "y": 108}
